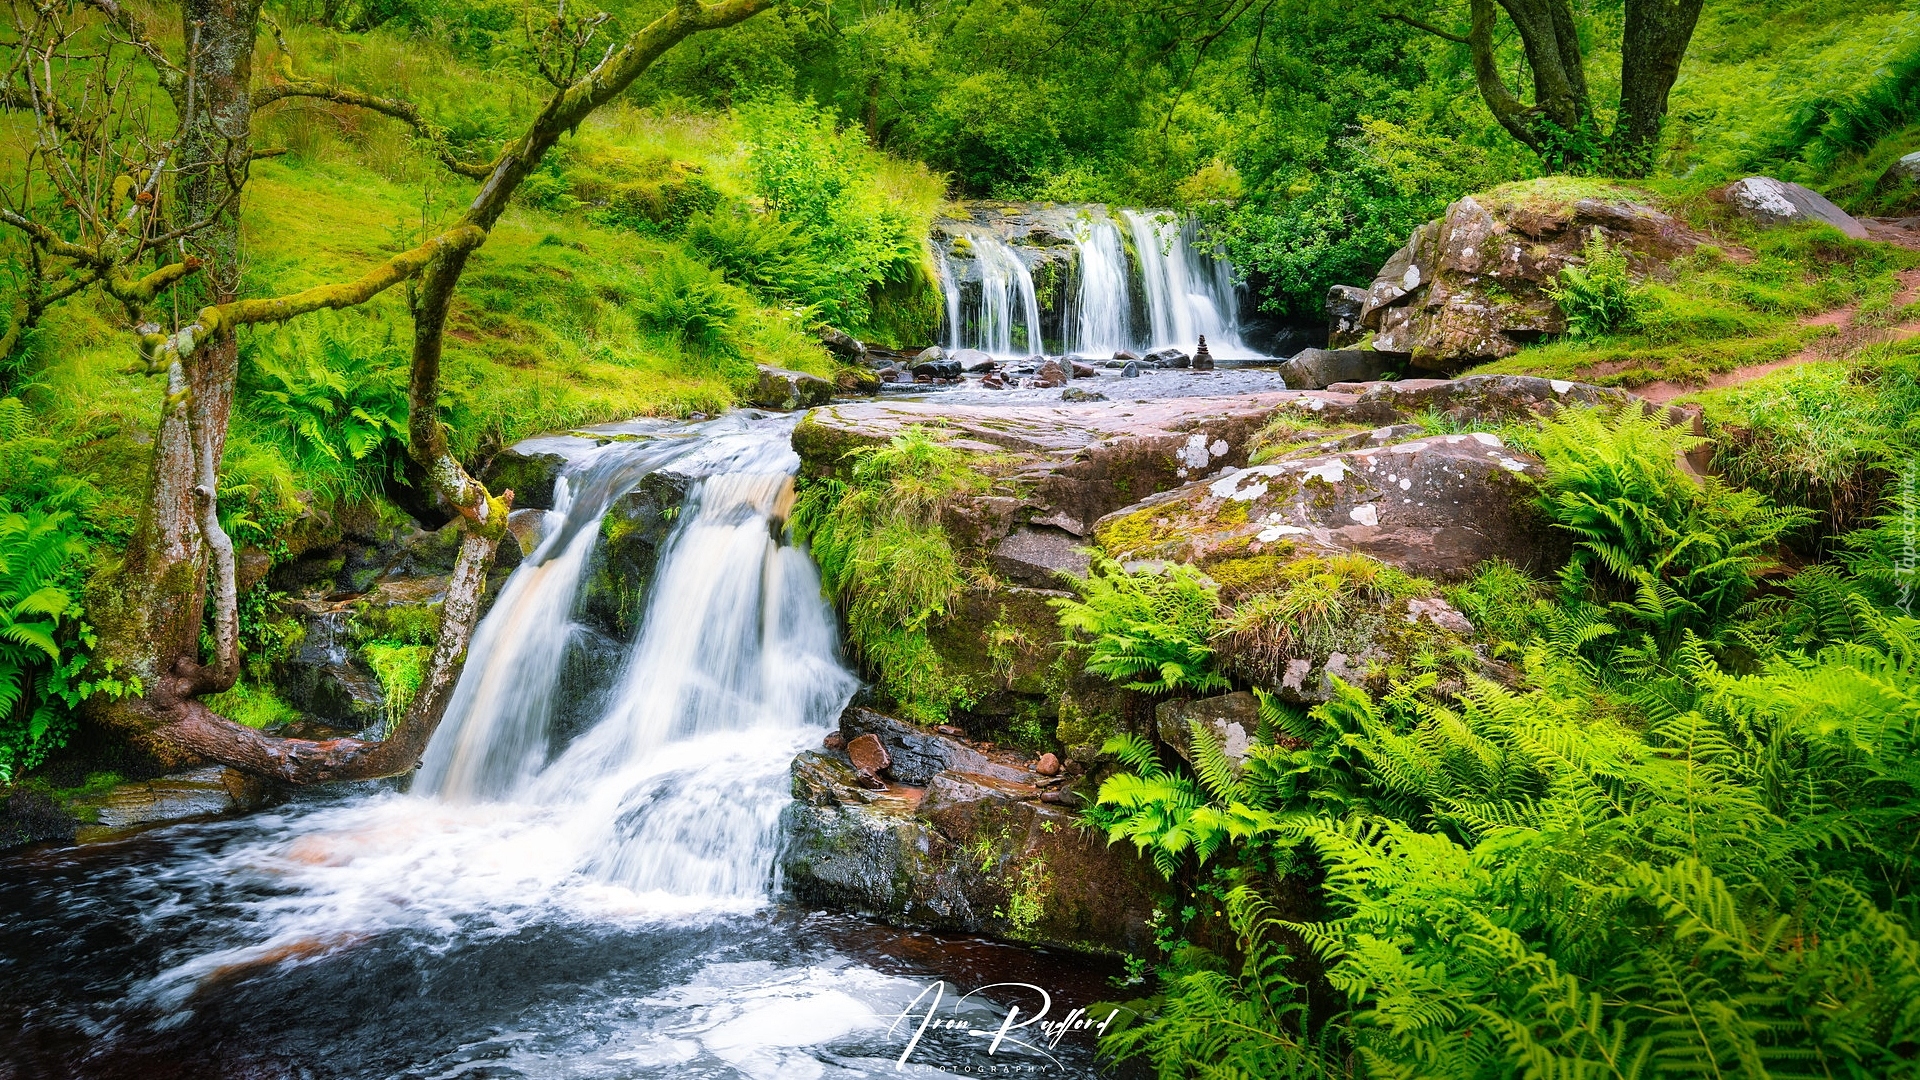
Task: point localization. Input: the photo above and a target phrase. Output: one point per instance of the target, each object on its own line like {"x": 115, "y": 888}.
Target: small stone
{"x": 1125, "y": 355}
{"x": 1052, "y": 374}
{"x": 949, "y": 731}
{"x": 1202, "y": 359}
{"x": 1082, "y": 370}
{"x": 869, "y": 754}
{"x": 834, "y": 741}
{"x": 1060, "y": 798}
{"x": 1170, "y": 358}
{"x": 1131, "y": 371}
{"x": 1074, "y": 393}
{"x": 869, "y": 781}
{"x": 1049, "y": 765}
{"x": 993, "y": 381}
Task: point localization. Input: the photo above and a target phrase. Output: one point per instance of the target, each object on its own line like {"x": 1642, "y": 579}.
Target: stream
{"x": 532, "y": 905}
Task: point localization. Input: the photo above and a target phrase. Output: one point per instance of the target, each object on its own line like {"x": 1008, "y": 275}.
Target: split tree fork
{"x": 1559, "y": 124}
{"x": 149, "y": 610}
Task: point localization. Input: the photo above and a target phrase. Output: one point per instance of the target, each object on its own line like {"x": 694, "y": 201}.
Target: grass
{"x": 1719, "y": 309}
{"x": 254, "y": 705}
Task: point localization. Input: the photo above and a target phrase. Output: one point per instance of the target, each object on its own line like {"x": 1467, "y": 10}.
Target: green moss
{"x": 254, "y": 705}
{"x": 400, "y": 668}
{"x": 1231, "y": 512}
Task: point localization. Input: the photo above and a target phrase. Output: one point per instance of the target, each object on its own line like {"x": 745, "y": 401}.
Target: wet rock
{"x": 1345, "y": 303}
{"x": 182, "y": 796}
{"x": 1048, "y": 765}
{"x": 1052, "y": 374}
{"x": 530, "y": 468}
{"x": 993, "y": 381}
{"x": 1039, "y": 556}
{"x": 954, "y": 851}
{"x": 1471, "y": 286}
{"x": 31, "y": 816}
{"x": 1169, "y": 358}
{"x": 1080, "y": 369}
{"x": 589, "y": 669}
{"x": 1232, "y": 720}
{"x": 868, "y": 754}
{"x": 937, "y": 369}
{"x": 613, "y": 589}
{"x": 1126, "y": 356}
{"x": 915, "y": 756}
{"x": 783, "y": 390}
{"x": 323, "y": 677}
{"x": 851, "y": 380}
{"x": 1075, "y": 393}
{"x": 528, "y": 528}
{"x": 1767, "y": 201}
{"x": 1317, "y": 369}
{"x": 834, "y": 741}
{"x": 930, "y": 355}
{"x": 1435, "y": 507}
{"x": 1131, "y": 371}
{"x": 843, "y": 345}
{"x": 973, "y": 361}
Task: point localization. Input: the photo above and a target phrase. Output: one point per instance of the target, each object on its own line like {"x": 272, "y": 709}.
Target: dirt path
{"x": 1851, "y": 332}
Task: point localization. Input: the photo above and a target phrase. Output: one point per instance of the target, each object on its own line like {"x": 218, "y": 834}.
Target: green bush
{"x": 688, "y": 302}
{"x": 1149, "y": 631}
{"x": 885, "y": 557}
{"x": 1599, "y": 297}
{"x": 1669, "y": 554}
{"x": 334, "y": 392}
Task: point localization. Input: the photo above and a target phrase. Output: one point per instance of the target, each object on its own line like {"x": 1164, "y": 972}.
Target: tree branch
{"x": 1394, "y": 16}
{"x": 402, "y": 111}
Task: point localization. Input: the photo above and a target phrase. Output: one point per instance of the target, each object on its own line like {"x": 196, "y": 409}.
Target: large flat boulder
{"x": 1435, "y": 506}
{"x": 1317, "y": 369}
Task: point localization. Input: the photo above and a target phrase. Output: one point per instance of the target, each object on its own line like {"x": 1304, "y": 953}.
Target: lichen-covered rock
{"x": 1435, "y": 507}
{"x": 778, "y": 388}
{"x": 1768, "y": 201}
{"x": 1471, "y": 286}
{"x": 973, "y": 847}
{"x": 1233, "y": 720}
{"x": 530, "y": 467}
{"x": 1345, "y": 305}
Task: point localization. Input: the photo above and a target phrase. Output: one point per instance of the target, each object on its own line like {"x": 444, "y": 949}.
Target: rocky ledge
{"x": 927, "y": 829}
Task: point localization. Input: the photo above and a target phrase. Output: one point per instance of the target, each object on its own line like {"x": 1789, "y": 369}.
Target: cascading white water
{"x": 734, "y": 667}
{"x": 950, "y": 293}
{"x": 1190, "y": 291}
{"x": 1100, "y": 322}
{"x": 1006, "y": 322}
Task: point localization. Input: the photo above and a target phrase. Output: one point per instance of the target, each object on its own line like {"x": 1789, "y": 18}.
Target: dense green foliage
{"x": 1640, "y": 859}
{"x": 1149, "y": 631}
{"x": 884, "y": 554}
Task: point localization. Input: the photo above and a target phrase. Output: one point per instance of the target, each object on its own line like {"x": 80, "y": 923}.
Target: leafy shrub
{"x": 333, "y": 393}
{"x": 817, "y": 179}
{"x": 885, "y": 557}
{"x": 1600, "y": 297}
{"x": 687, "y": 301}
{"x": 1670, "y": 554}
{"x": 38, "y": 673}
{"x": 1148, "y": 631}
{"x": 401, "y": 668}
{"x": 762, "y": 253}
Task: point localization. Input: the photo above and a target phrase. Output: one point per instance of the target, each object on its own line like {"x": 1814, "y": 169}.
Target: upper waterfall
{"x": 1020, "y": 280}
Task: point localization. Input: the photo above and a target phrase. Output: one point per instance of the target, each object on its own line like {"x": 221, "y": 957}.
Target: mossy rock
{"x": 613, "y": 592}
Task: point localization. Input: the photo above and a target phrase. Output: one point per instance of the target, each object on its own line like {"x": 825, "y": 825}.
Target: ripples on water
{"x": 605, "y": 915}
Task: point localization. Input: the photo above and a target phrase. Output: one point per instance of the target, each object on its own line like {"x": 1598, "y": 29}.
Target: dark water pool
{"x": 371, "y": 935}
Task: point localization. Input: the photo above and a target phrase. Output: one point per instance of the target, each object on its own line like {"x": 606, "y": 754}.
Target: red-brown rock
{"x": 834, "y": 741}
{"x": 869, "y": 754}
{"x": 1049, "y": 765}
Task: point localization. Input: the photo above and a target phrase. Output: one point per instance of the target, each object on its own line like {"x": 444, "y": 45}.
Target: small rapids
{"x": 530, "y": 907}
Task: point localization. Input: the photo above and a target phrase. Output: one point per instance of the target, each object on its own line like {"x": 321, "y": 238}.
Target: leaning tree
{"x": 135, "y": 194}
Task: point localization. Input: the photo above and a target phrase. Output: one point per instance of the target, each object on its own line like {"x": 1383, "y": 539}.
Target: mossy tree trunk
{"x": 157, "y": 621}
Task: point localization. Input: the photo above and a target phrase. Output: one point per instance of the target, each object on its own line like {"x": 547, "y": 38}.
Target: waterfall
{"x": 678, "y": 788}
{"x": 1100, "y": 322}
{"x": 1007, "y": 301}
{"x": 1189, "y": 287}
